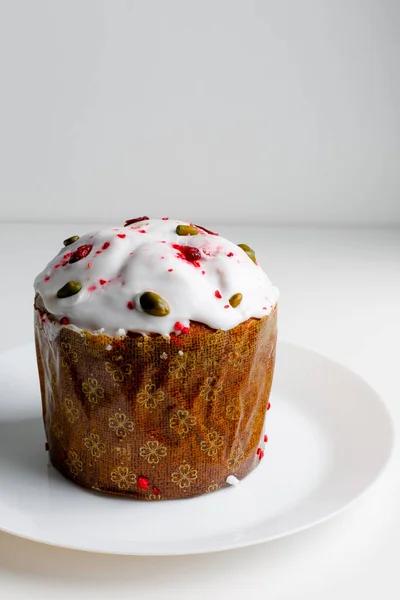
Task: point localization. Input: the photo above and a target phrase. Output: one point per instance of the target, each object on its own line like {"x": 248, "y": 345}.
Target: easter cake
{"x": 156, "y": 348}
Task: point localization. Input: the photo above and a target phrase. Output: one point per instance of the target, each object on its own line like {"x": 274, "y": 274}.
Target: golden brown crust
{"x": 180, "y": 413}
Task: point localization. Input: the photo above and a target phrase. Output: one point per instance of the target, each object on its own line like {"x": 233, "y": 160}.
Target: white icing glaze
{"x": 141, "y": 258}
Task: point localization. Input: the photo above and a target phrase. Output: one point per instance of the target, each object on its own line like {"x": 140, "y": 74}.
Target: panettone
{"x": 156, "y": 349}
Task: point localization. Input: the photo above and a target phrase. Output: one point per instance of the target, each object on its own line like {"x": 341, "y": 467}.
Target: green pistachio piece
{"x": 186, "y": 230}
{"x": 249, "y": 251}
{"x": 71, "y": 240}
{"x": 69, "y": 289}
{"x": 235, "y": 300}
{"x": 154, "y": 305}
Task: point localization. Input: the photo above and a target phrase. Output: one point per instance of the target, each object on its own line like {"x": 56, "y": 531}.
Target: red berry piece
{"x": 142, "y": 231}
{"x": 64, "y": 321}
{"x": 121, "y": 235}
{"x": 179, "y": 326}
{"x": 192, "y": 254}
{"x": 80, "y": 253}
{"x": 226, "y": 306}
{"x": 230, "y": 254}
{"x": 268, "y": 405}
{"x": 130, "y": 305}
{"x": 165, "y": 218}
{"x": 106, "y": 245}
{"x": 131, "y": 221}
{"x": 185, "y": 330}
{"x": 206, "y": 230}
{"x": 170, "y": 270}
{"x": 265, "y": 438}
{"x": 143, "y": 483}
{"x": 261, "y": 455}
{"x": 217, "y": 294}
{"x": 102, "y": 281}
{"x": 258, "y": 450}
{"x": 47, "y": 278}
{"x": 156, "y": 491}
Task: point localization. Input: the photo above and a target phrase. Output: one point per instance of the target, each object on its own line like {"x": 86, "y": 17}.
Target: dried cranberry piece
{"x": 206, "y": 230}
{"x": 191, "y": 253}
{"x": 80, "y": 253}
{"x": 130, "y": 221}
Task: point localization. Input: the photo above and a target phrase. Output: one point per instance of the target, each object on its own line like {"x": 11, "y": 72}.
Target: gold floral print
{"x": 182, "y": 421}
{"x": 155, "y": 497}
{"x": 210, "y": 390}
{"x": 120, "y": 424}
{"x": 236, "y": 459}
{"x": 94, "y": 445}
{"x": 93, "y": 390}
{"x": 117, "y": 368}
{"x": 57, "y": 430}
{"x": 150, "y": 397}
{"x": 184, "y": 476}
{"x": 70, "y": 410}
{"x": 212, "y": 444}
{"x": 68, "y": 357}
{"x": 236, "y": 359}
{"x": 213, "y": 487}
{"x": 123, "y": 477}
{"x": 233, "y": 409}
{"x": 153, "y": 451}
{"x": 74, "y": 464}
{"x": 182, "y": 365}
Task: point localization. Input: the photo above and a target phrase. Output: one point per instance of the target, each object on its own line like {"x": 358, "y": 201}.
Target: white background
{"x": 226, "y": 110}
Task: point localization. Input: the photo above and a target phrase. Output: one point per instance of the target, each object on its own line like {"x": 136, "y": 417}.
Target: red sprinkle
{"x": 258, "y": 450}
{"x": 156, "y": 491}
{"x": 64, "y": 321}
{"x": 203, "y": 272}
{"x": 265, "y": 438}
{"x": 102, "y": 281}
{"x": 170, "y": 270}
{"x": 143, "y": 483}
{"x": 130, "y": 221}
{"x": 91, "y": 288}
{"x": 230, "y": 254}
{"x": 268, "y": 405}
{"x": 186, "y": 330}
{"x": 130, "y": 305}
{"x": 226, "y": 306}
{"x": 89, "y": 265}
{"x": 46, "y": 446}
{"x": 217, "y": 294}
{"x": 179, "y": 326}
{"x": 142, "y": 231}
{"x": 121, "y": 235}
{"x": 46, "y": 278}
{"x": 80, "y": 253}
{"x": 165, "y": 218}
{"x": 106, "y": 245}
{"x": 68, "y": 255}
{"x": 261, "y": 455}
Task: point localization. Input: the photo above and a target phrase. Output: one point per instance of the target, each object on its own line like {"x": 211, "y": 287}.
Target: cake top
{"x": 154, "y": 276}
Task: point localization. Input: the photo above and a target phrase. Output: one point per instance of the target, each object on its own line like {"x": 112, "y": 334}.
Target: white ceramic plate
{"x": 330, "y": 437}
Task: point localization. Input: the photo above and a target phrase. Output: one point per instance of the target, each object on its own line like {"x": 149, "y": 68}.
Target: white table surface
{"x": 340, "y": 295}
